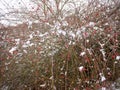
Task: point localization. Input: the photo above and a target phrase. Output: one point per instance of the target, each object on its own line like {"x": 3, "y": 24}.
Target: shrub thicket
{"x": 84, "y": 55}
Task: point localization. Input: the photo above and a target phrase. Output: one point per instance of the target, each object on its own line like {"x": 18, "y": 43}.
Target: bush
{"x": 83, "y": 56}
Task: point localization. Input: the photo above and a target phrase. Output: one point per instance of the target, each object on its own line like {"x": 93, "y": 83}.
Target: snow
{"x": 101, "y": 45}
{"x": 65, "y": 73}
{"x": 41, "y": 35}
{"x": 29, "y": 24}
{"x": 108, "y": 35}
{"x": 87, "y": 41}
{"x": 91, "y": 24}
{"x": 81, "y": 68}
{"x": 16, "y": 62}
{"x": 115, "y": 62}
{"x": 25, "y": 51}
{"x": 43, "y": 85}
{"x": 117, "y": 57}
{"x": 72, "y": 34}
{"x": 28, "y": 42}
{"x": 70, "y": 43}
{"x": 89, "y": 50}
{"x": 51, "y": 77}
{"x": 106, "y": 24}
{"x": 7, "y": 63}
{"x": 95, "y": 28}
{"x": 103, "y": 53}
{"x": 31, "y": 44}
{"x": 83, "y": 28}
{"x": 61, "y": 32}
{"x": 102, "y": 77}
{"x": 82, "y": 53}
{"x": 25, "y": 46}
{"x": 103, "y": 88}
{"x": 36, "y": 21}
{"x": 12, "y": 50}
{"x": 64, "y": 23}
{"x": 31, "y": 36}
{"x": 78, "y": 32}
{"x": 56, "y": 25}
{"x": 17, "y": 41}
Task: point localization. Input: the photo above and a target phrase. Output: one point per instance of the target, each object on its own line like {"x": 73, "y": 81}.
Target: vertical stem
{"x": 52, "y": 71}
{"x": 66, "y": 72}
